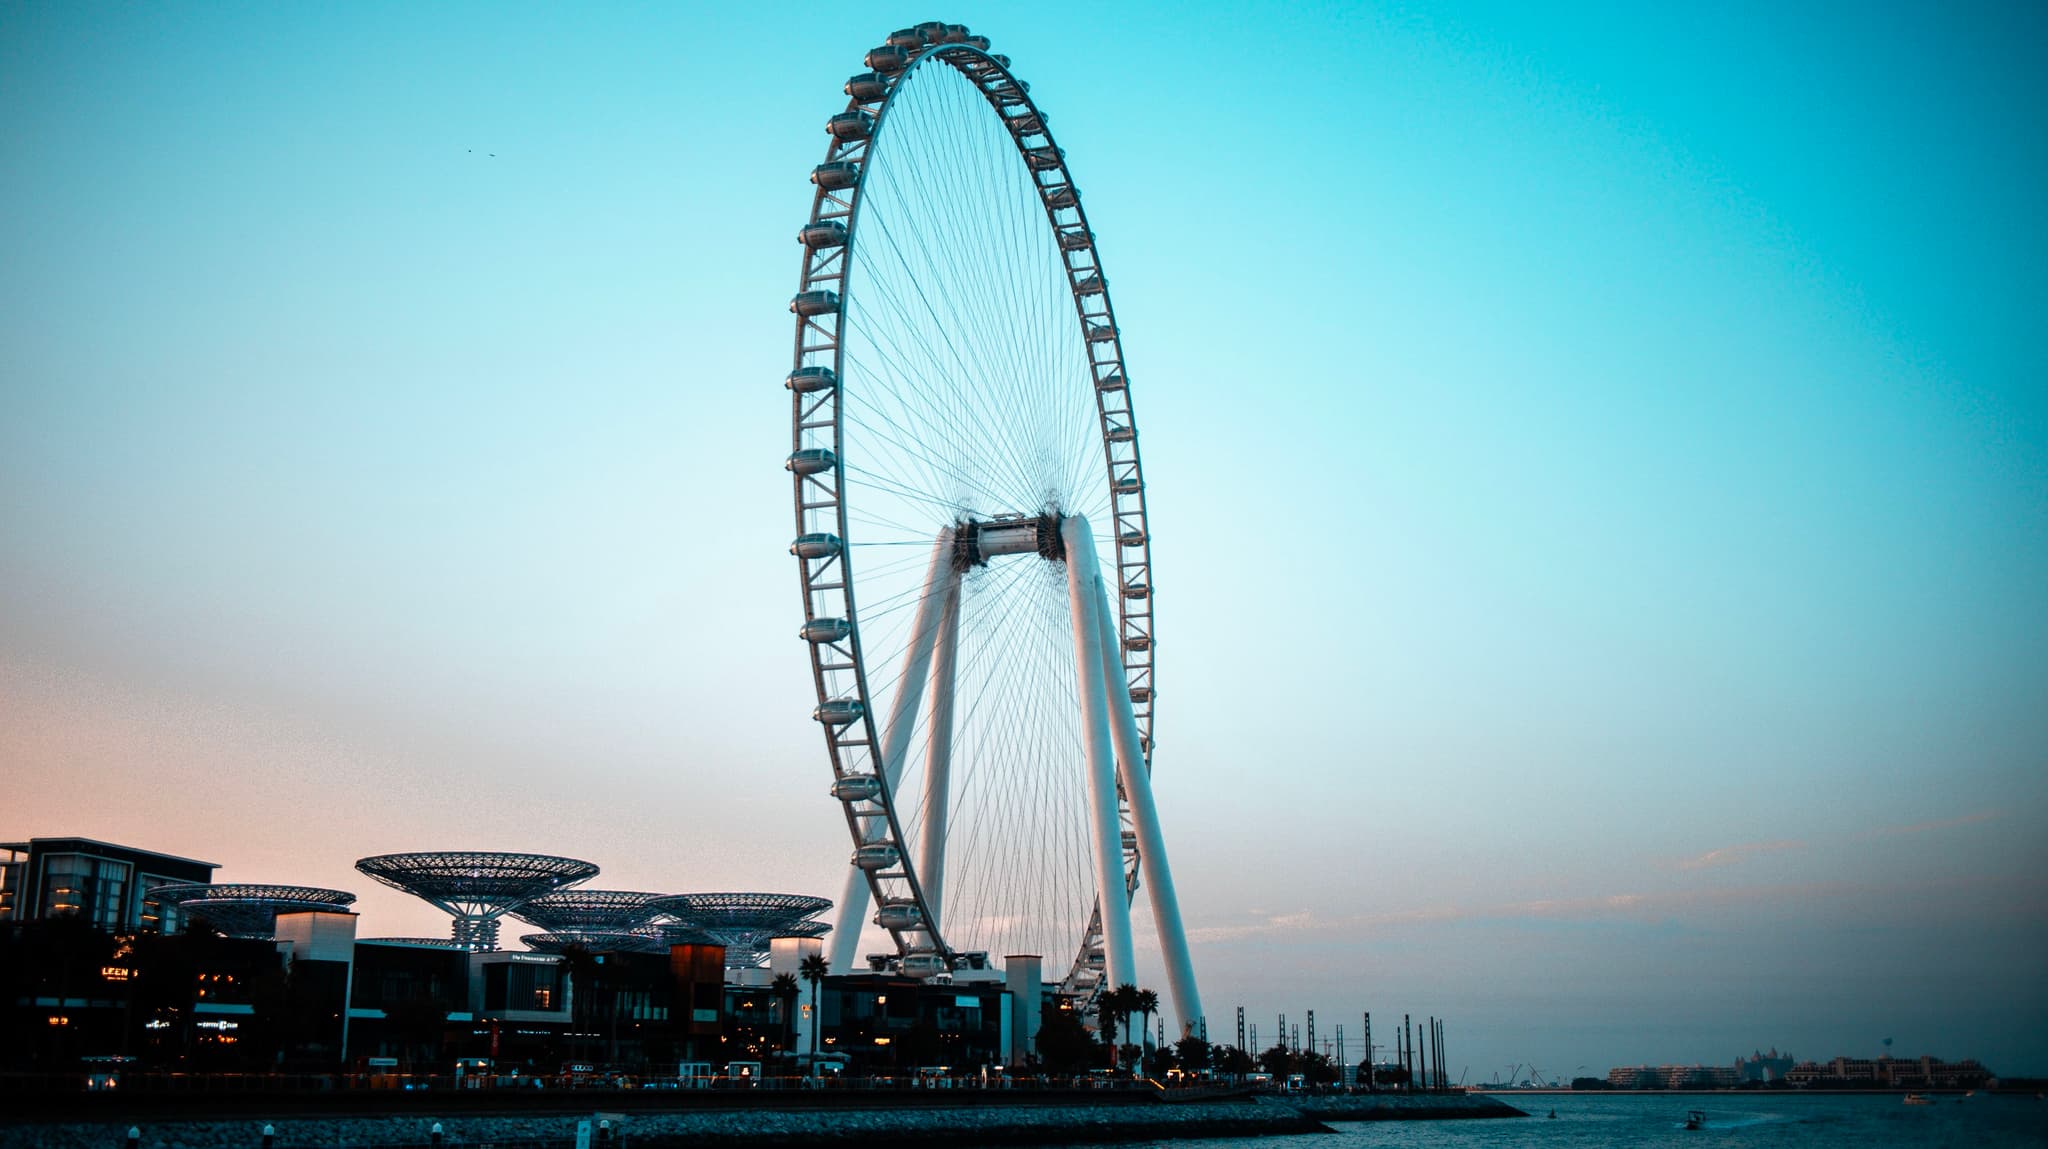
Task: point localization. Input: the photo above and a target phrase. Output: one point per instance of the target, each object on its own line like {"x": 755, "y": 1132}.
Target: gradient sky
{"x": 1598, "y": 461}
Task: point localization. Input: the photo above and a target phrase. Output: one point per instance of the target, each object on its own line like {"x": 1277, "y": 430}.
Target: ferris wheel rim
{"x": 1007, "y": 99}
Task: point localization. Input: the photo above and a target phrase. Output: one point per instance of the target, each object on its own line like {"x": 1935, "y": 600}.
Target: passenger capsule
{"x": 953, "y": 34}
{"x": 820, "y": 630}
{"x": 1141, "y": 694}
{"x": 868, "y": 87}
{"x": 922, "y": 966}
{"x": 1138, "y": 642}
{"x": 1111, "y": 382}
{"x": 851, "y": 126}
{"x": 1097, "y": 332}
{"x": 980, "y": 42}
{"x": 932, "y": 30}
{"x": 1128, "y": 485}
{"x": 1063, "y": 196}
{"x": 1131, "y": 538}
{"x": 900, "y": 916}
{"x": 999, "y": 58}
{"x": 1137, "y": 590}
{"x": 1130, "y": 841}
{"x": 1028, "y": 124}
{"x": 887, "y": 59}
{"x": 877, "y": 856}
{"x": 1076, "y": 240}
{"x": 821, "y": 234}
{"x": 805, "y": 380}
{"x": 810, "y": 303}
{"x": 811, "y": 461}
{"x": 907, "y": 38}
{"x": 1044, "y": 159}
{"x": 857, "y": 788}
{"x": 1092, "y": 285}
{"x": 815, "y": 546}
{"x": 837, "y": 175}
{"x": 1121, "y": 434}
{"x": 839, "y": 711}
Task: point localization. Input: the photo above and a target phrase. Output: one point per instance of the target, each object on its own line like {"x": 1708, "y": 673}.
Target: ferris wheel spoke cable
{"x": 977, "y": 285}
{"x": 955, "y": 397}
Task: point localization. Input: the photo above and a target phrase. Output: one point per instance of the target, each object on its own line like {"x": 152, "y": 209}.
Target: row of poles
{"x": 1418, "y": 1047}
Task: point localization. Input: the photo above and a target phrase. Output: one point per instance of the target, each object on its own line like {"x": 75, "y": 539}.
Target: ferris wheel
{"x": 971, "y": 533}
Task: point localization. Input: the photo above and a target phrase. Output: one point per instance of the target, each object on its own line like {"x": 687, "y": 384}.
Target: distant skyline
{"x": 1598, "y": 465}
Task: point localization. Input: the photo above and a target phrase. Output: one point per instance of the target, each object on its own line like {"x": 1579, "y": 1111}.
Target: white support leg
{"x": 938, "y": 756}
{"x": 917, "y": 659}
{"x": 1157, "y": 876}
{"x": 1083, "y": 589}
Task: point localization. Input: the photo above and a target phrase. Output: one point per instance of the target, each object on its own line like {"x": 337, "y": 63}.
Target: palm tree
{"x": 784, "y": 987}
{"x": 1115, "y": 1007}
{"x": 1145, "y": 1002}
{"x": 813, "y": 969}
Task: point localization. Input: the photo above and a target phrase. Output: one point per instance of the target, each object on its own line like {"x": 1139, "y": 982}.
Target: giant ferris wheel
{"x": 972, "y": 534}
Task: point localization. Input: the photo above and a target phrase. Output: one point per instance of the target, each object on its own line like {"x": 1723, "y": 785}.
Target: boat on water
{"x": 1919, "y": 1099}
{"x": 1696, "y": 1119}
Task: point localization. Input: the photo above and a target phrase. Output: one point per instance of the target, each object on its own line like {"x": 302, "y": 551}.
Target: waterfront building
{"x": 272, "y": 977}
{"x": 100, "y": 882}
{"x": 1763, "y": 1068}
{"x": 1891, "y": 1073}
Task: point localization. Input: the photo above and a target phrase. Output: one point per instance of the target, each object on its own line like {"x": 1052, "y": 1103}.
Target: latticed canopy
{"x": 597, "y": 941}
{"x": 575, "y": 911}
{"x": 745, "y": 923}
{"x": 248, "y": 910}
{"x": 476, "y": 888}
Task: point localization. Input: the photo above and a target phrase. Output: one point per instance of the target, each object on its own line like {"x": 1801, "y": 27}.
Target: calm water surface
{"x": 1734, "y": 1121}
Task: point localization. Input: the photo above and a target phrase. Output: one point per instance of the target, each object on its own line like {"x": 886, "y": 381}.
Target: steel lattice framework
{"x": 247, "y": 910}
{"x": 582, "y": 910}
{"x": 597, "y": 941}
{"x": 963, "y": 336}
{"x": 745, "y": 923}
{"x": 476, "y": 888}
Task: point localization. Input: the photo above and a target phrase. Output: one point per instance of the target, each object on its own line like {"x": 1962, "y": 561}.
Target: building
{"x": 1763, "y": 1068}
{"x": 1671, "y": 1077}
{"x": 1890, "y": 1073}
{"x": 105, "y": 884}
{"x": 91, "y": 968}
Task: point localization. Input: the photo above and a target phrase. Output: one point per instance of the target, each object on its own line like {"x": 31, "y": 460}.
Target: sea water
{"x": 1733, "y": 1121}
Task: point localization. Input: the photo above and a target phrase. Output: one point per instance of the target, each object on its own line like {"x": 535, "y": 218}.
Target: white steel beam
{"x": 1157, "y": 876}
{"x": 917, "y": 659}
{"x": 1083, "y": 589}
{"x": 938, "y": 757}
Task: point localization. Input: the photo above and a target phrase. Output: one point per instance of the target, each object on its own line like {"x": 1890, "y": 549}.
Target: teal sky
{"x": 1598, "y": 459}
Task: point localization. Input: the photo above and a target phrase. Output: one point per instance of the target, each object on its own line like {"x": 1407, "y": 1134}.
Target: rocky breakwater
{"x": 738, "y": 1128}
{"x": 1394, "y": 1106}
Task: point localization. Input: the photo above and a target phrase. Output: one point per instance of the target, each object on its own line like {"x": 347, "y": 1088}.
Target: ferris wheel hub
{"x": 976, "y": 541}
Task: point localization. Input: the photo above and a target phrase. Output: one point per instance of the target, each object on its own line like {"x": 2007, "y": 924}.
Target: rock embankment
{"x": 736, "y": 1128}
{"x": 1395, "y": 1106}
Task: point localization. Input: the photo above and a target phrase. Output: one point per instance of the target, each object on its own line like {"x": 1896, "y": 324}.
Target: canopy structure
{"x": 476, "y": 889}
{"x": 745, "y": 923}
{"x": 596, "y": 941}
{"x": 246, "y": 910}
{"x": 574, "y": 911}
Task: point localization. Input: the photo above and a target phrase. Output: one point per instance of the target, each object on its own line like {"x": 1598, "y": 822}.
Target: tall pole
{"x": 1137, "y": 787}
{"x": 1370, "y": 1066}
{"x": 938, "y": 758}
{"x": 1408, "y": 1052}
{"x": 1240, "y": 1029}
{"x": 917, "y": 658}
{"x": 1111, "y": 894}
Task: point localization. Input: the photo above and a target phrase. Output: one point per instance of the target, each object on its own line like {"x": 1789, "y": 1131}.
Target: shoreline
{"x": 744, "y": 1126}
